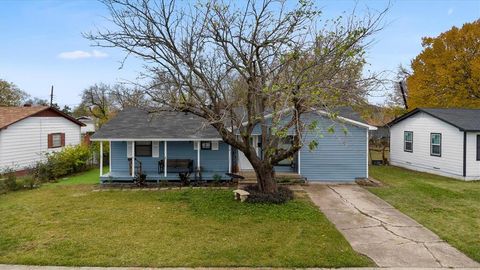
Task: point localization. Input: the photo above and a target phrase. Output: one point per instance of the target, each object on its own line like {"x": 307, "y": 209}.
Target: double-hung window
{"x": 143, "y": 149}
{"x": 436, "y": 144}
{"x": 206, "y": 145}
{"x": 56, "y": 140}
{"x": 408, "y": 141}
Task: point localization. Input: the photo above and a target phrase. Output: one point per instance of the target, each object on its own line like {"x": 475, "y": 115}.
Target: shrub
{"x": 42, "y": 171}
{"x": 30, "y": 182}
{"x": 283, "y": 195}
{"x": 71, "y": 159}
{"x": 217, "y": 178}
{"x": 140, "y": 180}
{"x": 10, "y": 180}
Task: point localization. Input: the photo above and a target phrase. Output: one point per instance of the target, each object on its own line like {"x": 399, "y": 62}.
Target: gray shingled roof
{"x": 463, "y": 119}
{"x": 136, "y": 123}
{"x": 349, "y": 113}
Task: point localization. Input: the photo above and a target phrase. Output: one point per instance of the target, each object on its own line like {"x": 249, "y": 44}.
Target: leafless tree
{"x": 399, "y": 95}
{"x": 257, "y": 64}
{"x": 97, "y": 99}
{"x": 124, "y": 96}
{"x": 102, "y": 100}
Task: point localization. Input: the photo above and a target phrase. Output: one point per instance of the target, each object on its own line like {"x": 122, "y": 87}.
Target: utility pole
{"x": 51, "y": 97}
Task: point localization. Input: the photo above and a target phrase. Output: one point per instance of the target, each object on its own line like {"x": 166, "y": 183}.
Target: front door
{"x": 243, "y": 162}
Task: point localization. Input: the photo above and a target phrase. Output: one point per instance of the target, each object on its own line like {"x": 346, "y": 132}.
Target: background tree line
{"x": 100, "y": 100}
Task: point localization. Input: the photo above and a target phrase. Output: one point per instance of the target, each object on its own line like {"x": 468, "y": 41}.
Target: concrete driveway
{"x": 381, "y": 232}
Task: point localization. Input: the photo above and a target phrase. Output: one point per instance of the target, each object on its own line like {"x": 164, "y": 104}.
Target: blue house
{"x": 163, "y": 145}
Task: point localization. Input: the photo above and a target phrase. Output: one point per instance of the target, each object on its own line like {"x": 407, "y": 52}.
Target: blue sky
{"x": 41, "y": 42}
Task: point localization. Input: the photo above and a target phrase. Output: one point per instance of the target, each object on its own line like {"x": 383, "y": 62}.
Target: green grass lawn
{"x": 450, "y": 208}
{"x": 89, "y": 177}
{"x": 70, "y": 224}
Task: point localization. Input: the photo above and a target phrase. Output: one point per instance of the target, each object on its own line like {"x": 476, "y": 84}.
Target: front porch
{"x": 166, "y": 160}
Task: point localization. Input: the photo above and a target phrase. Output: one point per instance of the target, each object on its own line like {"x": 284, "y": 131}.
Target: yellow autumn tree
{"x": 447, "y": 72}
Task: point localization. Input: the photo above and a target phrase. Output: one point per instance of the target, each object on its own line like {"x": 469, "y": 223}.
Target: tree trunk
{"x": 265, "y": 177}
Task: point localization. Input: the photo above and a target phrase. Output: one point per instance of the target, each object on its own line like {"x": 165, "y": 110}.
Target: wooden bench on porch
{"x": 176, "y": 166}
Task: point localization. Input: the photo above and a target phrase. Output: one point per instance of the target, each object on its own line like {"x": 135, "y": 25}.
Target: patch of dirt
{"x": 370, "y": 182}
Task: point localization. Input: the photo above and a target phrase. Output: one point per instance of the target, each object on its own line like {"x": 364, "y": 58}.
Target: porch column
{"x": 101, "y": 158}
{"x": 165, "y": 159}
{"x": 229, "y": 159}
{"x": 298, "y": 162}
{"x": 198, "y": 155}
{"x": 133, "y": 159}
{"x": 109, "y": 156}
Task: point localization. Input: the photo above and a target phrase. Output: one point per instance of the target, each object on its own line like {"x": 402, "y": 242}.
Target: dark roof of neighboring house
{"x": 463, "y": 119}
{"x": 137, "y": 123}
{"x": 11, "y": 115}
{"x": 349, "y": 113}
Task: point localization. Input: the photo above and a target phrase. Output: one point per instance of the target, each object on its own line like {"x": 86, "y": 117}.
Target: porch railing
{"x": 138, "y": 166}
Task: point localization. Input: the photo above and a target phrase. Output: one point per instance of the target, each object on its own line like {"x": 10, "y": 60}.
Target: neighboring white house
{"x": 440, "y": 141}
{"x": 28, "y": 133}
{"x": 89, "y": 124}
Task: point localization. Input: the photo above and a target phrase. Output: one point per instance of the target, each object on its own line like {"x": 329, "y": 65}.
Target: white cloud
{"x": 450, "y": 11}
{"x": 98, "y": 54}
{"x": 73, "y": 55}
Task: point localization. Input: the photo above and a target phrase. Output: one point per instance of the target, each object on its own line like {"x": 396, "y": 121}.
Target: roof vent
{"x": 27, "y": 105}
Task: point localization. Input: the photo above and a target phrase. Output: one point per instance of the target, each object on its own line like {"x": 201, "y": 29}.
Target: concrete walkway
{"x": 381, "y": 232}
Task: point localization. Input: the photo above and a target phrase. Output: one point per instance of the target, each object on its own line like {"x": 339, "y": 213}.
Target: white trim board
{"x": 322, "y": 112}
{"x": 353, "y": 122}
{"x": 155, "y": 139}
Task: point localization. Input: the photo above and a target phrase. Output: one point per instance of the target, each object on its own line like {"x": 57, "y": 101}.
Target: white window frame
{"x": 405, "y": 142}
{"x": 59, "y": 135}
{"x": 438, "y": 144}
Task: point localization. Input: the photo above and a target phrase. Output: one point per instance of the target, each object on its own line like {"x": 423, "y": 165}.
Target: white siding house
{"x": 28, "y": 133}
{"x": 89, "y": 124}
{"x": 439, "y": 141}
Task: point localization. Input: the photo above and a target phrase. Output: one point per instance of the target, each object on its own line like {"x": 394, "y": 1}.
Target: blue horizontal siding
{"x": 284, "y": 169}
{"x": 215, "y": 160}
{"x": 182, "y": 150}
{"x": 119, "y": 162}
{"x": 338, "y": 157}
